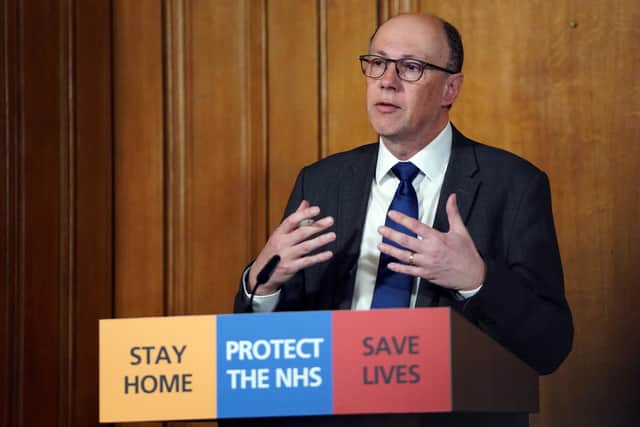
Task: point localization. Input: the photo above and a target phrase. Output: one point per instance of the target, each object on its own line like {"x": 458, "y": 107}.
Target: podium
{"x": 299, "y": 364}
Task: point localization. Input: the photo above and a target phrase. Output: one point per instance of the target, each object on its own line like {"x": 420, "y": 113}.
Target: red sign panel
{"x": 392, "y": 361}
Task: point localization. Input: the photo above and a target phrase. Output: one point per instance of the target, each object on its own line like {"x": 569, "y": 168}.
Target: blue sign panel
{"x": 274, "y": 364}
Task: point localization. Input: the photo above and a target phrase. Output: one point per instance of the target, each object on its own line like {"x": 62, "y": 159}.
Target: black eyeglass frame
{"x": 364, "y": 62}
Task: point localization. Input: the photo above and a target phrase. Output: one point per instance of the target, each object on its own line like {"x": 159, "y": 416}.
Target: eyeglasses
{"x": 408, "y": 69}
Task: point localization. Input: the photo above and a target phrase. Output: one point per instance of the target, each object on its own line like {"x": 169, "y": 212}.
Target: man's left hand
{"x": 450, "y": 259}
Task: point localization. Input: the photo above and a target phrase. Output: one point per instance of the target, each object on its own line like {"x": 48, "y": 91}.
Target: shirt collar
{"x": 432, "y": 160}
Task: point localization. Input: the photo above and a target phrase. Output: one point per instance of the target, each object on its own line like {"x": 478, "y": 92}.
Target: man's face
{"x": 402, "y": 111}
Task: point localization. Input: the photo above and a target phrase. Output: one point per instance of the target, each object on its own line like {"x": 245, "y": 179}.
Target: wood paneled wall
{"x": 56, "y": 208}
{"x": 149, "y": 148}
{"x": 547, "y": 80}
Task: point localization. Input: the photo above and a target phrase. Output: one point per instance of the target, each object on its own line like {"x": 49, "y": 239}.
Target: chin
{"x": 386, "y": 131}
{"x": 383, "y": 127}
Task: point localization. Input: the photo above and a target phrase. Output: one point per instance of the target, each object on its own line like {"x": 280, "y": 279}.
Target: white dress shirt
{"x": 432, "y": 162}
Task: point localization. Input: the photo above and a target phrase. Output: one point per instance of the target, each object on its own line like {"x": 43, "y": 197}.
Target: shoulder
{"x": 493, "y": 162}
{"x": 497, "y": 161}
{"x": 332, "y": 165}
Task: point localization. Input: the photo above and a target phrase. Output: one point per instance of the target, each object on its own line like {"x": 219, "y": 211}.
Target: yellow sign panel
{"x": 158, "y": 368}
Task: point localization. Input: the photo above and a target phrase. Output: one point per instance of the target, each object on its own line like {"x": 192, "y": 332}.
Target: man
{"x": 482, "y": 239}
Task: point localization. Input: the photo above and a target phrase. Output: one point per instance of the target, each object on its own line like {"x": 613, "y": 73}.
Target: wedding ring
{"x": 411, "y": 258}
{"x": 306, "y": 223}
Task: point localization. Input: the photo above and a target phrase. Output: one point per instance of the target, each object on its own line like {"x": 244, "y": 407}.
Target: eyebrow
{"x": 404, "y": 56}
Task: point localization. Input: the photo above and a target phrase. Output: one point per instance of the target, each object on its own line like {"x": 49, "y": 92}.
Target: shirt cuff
{"x": 261, "y": 303}
{"x": 468, "y": 294}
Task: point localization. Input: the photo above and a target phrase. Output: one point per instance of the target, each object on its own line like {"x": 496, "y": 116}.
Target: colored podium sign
{"x": 265, "y": 360}
{"x": 318, "y": 363}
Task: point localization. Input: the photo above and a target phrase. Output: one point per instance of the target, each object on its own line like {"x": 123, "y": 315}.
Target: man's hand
{"x": 293, "y": 240}
{"x": 450, "y": 259}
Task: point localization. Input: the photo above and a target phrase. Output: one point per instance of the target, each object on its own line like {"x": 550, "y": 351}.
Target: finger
{"x": 303, "y": 205}
{"x": 402, "y": 239}
{"x": 292, "y": 222}
{"x": 410, "y": 223}
{"x": 403, "y": 255}
{"x": 453, "y": 214}
{"x": 411, "y": 270}
{"x": 311, "y": 245}
{"x": 310, "y": 260}
{"x": 306, "y": 231}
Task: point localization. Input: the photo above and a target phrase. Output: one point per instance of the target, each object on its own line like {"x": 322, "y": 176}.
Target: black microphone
{"x": 264, "y": 275}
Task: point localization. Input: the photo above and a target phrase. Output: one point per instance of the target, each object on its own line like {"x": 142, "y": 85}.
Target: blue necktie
{"x": 394, "y": 289}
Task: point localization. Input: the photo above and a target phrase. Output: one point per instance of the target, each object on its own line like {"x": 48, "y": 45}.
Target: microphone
{"x": 264, "y": 275}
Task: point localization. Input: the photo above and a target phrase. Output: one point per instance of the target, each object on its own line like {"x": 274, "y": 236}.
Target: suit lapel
{"x": 355, "y": 187}
{"x": 461, "y": 178}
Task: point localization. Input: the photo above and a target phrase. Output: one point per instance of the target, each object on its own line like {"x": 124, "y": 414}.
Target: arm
{"x": 521, "y": 302}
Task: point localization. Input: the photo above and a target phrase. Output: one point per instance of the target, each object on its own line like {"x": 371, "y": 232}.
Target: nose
{"x": 390, "y": 79}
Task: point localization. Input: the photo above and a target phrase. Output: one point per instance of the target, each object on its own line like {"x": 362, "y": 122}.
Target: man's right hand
{"x": 293, "y": 242}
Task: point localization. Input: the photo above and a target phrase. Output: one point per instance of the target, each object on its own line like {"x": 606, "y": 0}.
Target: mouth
{"x": 386, "y": 107}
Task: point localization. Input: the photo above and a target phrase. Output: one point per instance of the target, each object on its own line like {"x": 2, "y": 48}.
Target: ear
{"x": 452, "y": 88}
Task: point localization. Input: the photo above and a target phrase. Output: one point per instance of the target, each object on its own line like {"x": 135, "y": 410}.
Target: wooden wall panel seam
{"x": 66, "y": 215}
{"x": 245, "y": 133}
{"x": 383, "y": 10}
{"x": 5, "y": 225}
{"x": 390, "y": 8}
{"x": 112, "y": 91}
{"x": 13, "y": 238}
{"x": 187, "y": 157}
{"x": 323, "y": 107}
{"x": 175, "y": 142}
{"x": 188, "y": 150}
{"x": 165, "y": 160}
{"x": 266, "y": 128}
{"x": 19, "y": 346}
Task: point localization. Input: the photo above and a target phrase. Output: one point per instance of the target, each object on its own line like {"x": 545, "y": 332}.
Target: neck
{"x": 405, "y": 148}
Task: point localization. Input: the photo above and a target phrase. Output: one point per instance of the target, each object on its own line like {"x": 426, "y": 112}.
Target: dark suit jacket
{"x": 505, "y": 203}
